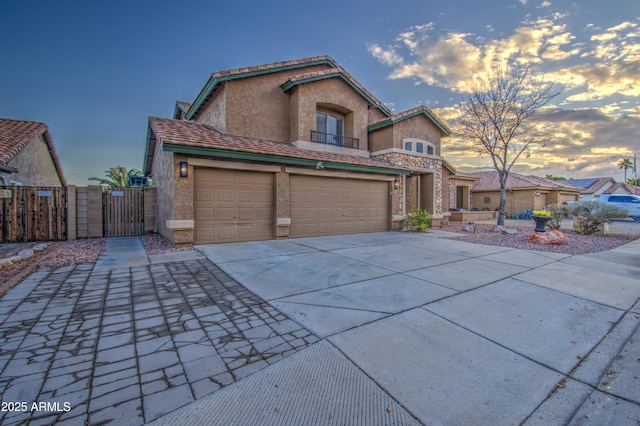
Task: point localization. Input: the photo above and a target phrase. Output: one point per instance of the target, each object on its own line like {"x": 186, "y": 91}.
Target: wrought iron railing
{"x": 336, "y": 140}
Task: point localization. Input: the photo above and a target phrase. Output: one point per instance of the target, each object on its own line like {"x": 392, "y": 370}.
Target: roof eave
{"x": 388, "y": 122}
{"x": 280, "y": 159}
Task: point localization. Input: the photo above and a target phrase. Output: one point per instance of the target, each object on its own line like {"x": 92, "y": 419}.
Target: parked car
{"x": 630, "y": 203}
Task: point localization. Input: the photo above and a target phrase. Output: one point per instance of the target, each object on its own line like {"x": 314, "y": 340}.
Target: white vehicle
{"x": 631, "y": 203}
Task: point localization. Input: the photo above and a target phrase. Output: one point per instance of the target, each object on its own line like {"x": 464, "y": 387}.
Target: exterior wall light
{"x": 396, "y": 183}
{"x": 183, "y": 169}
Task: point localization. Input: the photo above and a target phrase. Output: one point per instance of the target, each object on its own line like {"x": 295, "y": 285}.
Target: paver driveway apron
{"x": 457, "y": 333}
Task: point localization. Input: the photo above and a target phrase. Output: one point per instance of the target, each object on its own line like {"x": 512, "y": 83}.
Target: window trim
{"x": 414, "y": 143}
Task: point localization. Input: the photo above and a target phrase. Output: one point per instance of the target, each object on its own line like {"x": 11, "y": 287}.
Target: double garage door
{"x": 232, "y": 205}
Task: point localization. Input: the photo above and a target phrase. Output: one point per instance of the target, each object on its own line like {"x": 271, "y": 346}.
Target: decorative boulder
{"x": 551, "y": 236}
{"x": 498, "y": 228}
{"x": 469, "y": 227}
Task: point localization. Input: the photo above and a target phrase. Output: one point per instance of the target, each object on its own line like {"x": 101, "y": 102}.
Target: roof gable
{"x": 409, "y": 114}
{"x": 16, "y": 134}
{"x": 340, "y": 73}
{"x": 218, "y": 78}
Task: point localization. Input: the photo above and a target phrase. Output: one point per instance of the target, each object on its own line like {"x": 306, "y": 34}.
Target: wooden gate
{"x": 123, "y": 211}
{"x": 33, "y": 213}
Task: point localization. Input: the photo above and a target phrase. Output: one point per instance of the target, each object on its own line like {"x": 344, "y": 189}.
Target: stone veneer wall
{"x": 453, "y": 192}
{"x": 423, "y": 162}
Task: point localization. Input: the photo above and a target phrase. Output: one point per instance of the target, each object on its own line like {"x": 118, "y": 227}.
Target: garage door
{"x": 329, "y": 206}
{"x": 231, "y": 205}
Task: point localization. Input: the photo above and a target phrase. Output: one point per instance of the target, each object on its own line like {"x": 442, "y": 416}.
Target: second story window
{"x": 419, "y": 147}
{"x": 330, "y": 128}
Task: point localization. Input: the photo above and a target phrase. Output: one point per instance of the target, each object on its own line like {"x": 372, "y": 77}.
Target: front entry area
{"x": 330, "y": 205}
{"x": 232, "y": 205}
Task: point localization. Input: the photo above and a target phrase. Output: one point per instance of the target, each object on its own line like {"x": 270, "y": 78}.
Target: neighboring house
{"x": 292, "y": 149}
{"x": 523, "y": 192}
{"x": 27, "y": 155}
{"x": 592, "y": 188}
{"x": 620, "y": 188}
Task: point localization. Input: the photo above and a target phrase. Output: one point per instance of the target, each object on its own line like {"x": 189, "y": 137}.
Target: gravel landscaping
{"x": 574, "y": 244}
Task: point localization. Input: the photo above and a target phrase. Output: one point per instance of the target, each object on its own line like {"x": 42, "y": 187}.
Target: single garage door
{"x": 329, "y": 206}
{"x": 232, "y": 205}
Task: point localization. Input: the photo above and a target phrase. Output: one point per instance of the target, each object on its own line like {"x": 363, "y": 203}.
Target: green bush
{"x": 419, "y": 220}
{"x": 558, "y": 213}
{"x": 589, "y": 216}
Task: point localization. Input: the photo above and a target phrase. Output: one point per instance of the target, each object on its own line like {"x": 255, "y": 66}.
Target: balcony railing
{"x": 335, "y": 140}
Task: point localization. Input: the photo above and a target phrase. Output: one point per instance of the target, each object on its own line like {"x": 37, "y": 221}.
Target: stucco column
{"x": 283, "y": 209}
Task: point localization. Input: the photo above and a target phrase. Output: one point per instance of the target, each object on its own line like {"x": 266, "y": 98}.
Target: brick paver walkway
{"x": 129, "y": 345}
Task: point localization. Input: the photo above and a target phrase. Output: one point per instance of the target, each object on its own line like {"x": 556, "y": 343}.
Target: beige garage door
{"x": 231, "y": 205}
{"x": 329, "y": 206}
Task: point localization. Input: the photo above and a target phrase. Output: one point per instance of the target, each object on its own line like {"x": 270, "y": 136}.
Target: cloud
{"x": 596, "y": 119}
{"x": 456, "y": 59}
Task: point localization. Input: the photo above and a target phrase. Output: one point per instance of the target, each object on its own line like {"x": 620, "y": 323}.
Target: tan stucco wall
{"x": 517, "y": 201}
{"x": 381, "y": 139}
{"x": 417, "y": 127}
{"x": 35, "y": 165}
{"x": 375, "y": 115}
{"x": 330, "y": 95}
{"x": 393, "y": 136}
{"x": 257, "y": 107}
{"x": 214, "y": 113}
{"x": 163, "y": 180}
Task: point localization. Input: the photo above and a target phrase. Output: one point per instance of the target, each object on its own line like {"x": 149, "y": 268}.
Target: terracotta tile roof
{"x": 408, "y": 114}
{"x": 619, "y": 185}
{"x": 16, "y": 134}
{"x": 184, "y": 106}
{"x": 489, "y": 181}
{"x": 271, "y": 66}
{"x": 186, "y": 133}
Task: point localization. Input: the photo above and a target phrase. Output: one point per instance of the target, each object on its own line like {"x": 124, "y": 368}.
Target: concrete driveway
{"x": 455, "y": 333}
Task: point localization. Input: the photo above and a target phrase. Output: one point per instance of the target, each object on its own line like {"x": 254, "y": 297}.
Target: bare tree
{"x": 498, "y": 117}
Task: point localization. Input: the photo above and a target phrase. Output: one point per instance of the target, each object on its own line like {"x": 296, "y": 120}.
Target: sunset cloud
{"x": 596, "y": 117}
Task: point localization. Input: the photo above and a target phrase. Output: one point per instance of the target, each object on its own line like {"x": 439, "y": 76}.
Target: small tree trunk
{"x": 503, "y": 203}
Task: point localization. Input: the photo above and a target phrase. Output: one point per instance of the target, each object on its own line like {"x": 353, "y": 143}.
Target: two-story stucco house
{"x": 291, "y": 149}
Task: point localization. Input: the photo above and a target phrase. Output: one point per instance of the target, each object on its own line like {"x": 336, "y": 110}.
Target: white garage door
{"x": 231, "y": 205}
{"x": 330, "y": 206}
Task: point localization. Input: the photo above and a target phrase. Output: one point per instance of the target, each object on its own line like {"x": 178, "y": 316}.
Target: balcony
{"x": 335, "y": 140}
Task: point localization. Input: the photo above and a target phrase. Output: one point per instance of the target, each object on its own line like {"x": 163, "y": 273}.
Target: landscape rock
{"x": 469, "y": 227}
{"x": 40, "y": 246}
{"x": 549, "y": 237}
{"x": 498, "y": 228}
{"x": 25, "y": 254}
{"x": 6, "y": 262}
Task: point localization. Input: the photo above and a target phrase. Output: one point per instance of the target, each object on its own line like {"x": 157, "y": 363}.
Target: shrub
{"x": 419, "y": 220}
{"x": 558, "y": 212}
{"x": 590, "y": 215}
{"x": 527, "y": 214}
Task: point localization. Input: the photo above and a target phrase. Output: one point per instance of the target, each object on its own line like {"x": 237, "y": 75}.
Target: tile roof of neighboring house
{"x": 16, "y": 134}
{"x": 404, "y": 115}
{"x": 590, "y": 185}
{"x": 196, "y": 135}
{"x": 219, "y": 77}
{"x": 489, "y": 181}
{"x": 618, "y": 185}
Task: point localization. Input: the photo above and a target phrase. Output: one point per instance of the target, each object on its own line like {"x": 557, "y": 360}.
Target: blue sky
{"x": 94, "y": 71}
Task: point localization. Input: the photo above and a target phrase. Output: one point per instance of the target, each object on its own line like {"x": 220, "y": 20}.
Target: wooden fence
{"x": 123, "y": 211}
{"x": 33, "y": 213}
{"x": 54, "y": 214}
